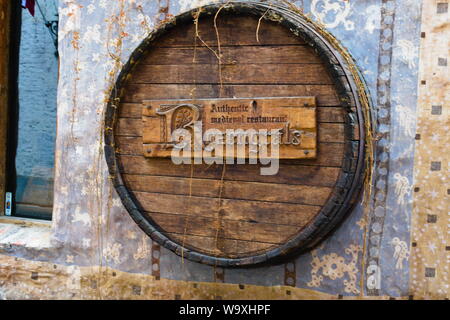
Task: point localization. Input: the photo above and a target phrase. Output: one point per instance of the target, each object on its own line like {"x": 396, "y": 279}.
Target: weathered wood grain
{"x": 325, "y": 94}
{"x": 231, "y": 209}
{"x": 233, "y": 31}
{"x": 298, "y": 174}
{"x": 243, "y": 190}
{"x": 231, "y": 247}
{"x": 324, "y": 114}
{"x": 327, "y": 132}
{"x": 225, "y": 229}
{"x": 232, "y": 74}
{"x": 293, "y": 54}
{"x": 330, "y": 154}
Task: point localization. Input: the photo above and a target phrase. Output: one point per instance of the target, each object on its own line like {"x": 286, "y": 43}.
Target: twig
{"x": 259, "y": 23}
{"x": 218, "y": 44}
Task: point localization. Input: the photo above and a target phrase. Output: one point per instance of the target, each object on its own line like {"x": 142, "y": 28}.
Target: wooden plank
{"x": 325, "y": 94}
{"x": 230, "y": 209}
{"x": 232, "y": 248}
{"x": 232, "y": 29}
{"x": 329, "y": 154}
{"x": 288, "y": 174}
{"x": 5, "y": 13}
{"x": 330, "y": 114}
{"x": 232, "y": 74}
{"x": 299, "y": 194}
{"x": 331, "y": 132}
{"x": 324, "y": 114}
{"x": 231, "y": 55}
{"x": 327, "y": 132}
{"x": 130, "y": 110}
{"x": 225, "y": 229}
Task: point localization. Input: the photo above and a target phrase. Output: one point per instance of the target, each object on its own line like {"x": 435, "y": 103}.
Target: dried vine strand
{"x": 219, "y": 46}
{"x": 197, "y": 34}
{"x": 187, "y": 217}
{"x": 221, "y": 183}
{"x": 99, "y": 190}
{"x": 259, "y": 24}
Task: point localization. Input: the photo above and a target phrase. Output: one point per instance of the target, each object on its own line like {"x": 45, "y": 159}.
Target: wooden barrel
{"x": 230, "y": 215}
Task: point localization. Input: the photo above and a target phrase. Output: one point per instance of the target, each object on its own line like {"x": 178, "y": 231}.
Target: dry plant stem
{"x": 187, "y": 217}
{"x": 196, "y": 18}
{"x": 218, "y": 46}
{"x": 115, "y": 19}
{"x": 220, "y": 204}
{"x": 219, "y": 55}
{"x": 259, "y": 24}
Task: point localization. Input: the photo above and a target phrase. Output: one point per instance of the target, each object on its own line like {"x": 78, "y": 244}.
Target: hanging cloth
{"x": 28, "y": 4}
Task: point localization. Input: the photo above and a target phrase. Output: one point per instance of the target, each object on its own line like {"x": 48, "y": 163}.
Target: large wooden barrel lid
{"x": 230, "y": 215}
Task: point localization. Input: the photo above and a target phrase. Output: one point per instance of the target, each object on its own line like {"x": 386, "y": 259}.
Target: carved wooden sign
{"x": 288, "y": 122}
